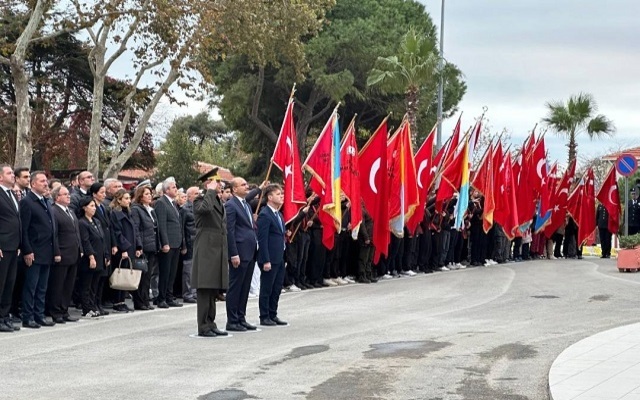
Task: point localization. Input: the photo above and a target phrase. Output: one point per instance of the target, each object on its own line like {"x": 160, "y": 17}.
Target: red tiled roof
{"x": 635, "y": 151}
{"x": 141, "y": 174}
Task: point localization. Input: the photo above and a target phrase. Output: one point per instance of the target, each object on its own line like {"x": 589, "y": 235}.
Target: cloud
{"x": 518, "y": 55}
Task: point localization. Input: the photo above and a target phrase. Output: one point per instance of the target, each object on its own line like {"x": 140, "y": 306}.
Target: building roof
{"x": 141, "y": 174}
{"x": 635, "y": 151}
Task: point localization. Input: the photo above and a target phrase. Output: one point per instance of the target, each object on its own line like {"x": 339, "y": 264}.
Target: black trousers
{"x": 332, "y": 262}
{"x": 633, "y": 230}
{"x": 141, "y": 296}
{"x": 346, "y": 241}
{"x": 303, "y": 256}
{"x": 393, "y": 264}
{"x": 270, "y": 287}
{"x": 317, "y": 256}
{"x": 557, "y": 244}
{"x": 238, "y": 292}
{"x": 292, "y": 273}
{"x": 206, "y": 309}
{"x": 60, "y": 289}
{"x": 8, "y": 271}
{"x": 365, "y": 256}
{"x": 605, "y": 241}
{"x": 16, "y": 303}
{"x": 424, "y": 251}
{"x": 409, "y": 256}
{"x": 478, "y": 243}
{"x": 517, "y": 248}
{"x": 89, "y": 283}
{"x": 168, "y": 268}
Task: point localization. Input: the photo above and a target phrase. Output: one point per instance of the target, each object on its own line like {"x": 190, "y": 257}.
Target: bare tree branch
{"x": 253, "y": 116}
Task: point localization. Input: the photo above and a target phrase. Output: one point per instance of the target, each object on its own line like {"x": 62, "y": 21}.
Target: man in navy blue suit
{"x": 242, "y": 242}
{"x": 271, "y": 240}
{"x": 39, "y": 239}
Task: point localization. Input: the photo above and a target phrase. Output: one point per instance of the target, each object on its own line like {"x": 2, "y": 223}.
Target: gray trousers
{"x": 187, "y": 291}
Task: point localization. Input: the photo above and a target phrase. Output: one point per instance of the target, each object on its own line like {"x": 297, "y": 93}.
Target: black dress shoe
{"x": 44, "y": 322}
{"x": 150, "y": 307}
{"x": 309, "y": 286}
{"x": 318, "y": 285}
{"x": 30, "y": 324}
{"x": 163, "y": 304}
{"x": 278, "y": 321}
{"x": 59, "y": 320}
{"x": 5, "y": 328}
{"x": 173, "y": 303}
{"x": 236, "y": 328}
{"x": 219, "y": 332}
{"x": 267, "y": 322}
{"x": 191, "y": 301}
{"x": 69, "y": 318}
{"x": 207, "y": 334}
{"x": 121, "y": 308}
{"x": 248, "y": 326}
{"x": 221, "y": 297}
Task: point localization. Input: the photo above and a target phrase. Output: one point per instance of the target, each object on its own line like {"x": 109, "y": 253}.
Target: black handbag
{"x": 141, "y": 264}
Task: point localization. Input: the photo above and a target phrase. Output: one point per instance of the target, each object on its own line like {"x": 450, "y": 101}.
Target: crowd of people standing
{"x": 59, "y": 243}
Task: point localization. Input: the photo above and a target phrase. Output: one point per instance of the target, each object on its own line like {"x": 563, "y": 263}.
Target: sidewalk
{"x": 605, "y": 366}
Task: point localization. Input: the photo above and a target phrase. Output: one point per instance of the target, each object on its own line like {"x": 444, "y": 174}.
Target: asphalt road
{"x": 478, "y": 334}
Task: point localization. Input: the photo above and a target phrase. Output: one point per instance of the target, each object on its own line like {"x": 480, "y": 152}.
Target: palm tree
{"x": 409, "y": 72}
{"x": 576, "y": 117}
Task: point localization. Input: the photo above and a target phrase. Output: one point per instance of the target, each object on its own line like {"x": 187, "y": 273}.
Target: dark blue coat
{"x": 125, "y": 232}
{"x": 39, "y": 228}
{"x": 270, "y": 237}
{"x": 241, "y": 234}
{"x": 94, "y": 243}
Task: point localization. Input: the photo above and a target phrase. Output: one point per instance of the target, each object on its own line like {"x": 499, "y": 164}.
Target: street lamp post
{"x": 441, "y": 83}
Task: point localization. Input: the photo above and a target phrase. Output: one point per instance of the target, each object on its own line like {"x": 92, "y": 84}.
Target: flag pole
{"x": 309, "y": 200}
{"x": 266, "y": 178}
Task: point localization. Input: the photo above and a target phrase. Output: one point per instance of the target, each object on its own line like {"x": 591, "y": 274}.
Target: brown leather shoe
{"x": 221, "y": 297}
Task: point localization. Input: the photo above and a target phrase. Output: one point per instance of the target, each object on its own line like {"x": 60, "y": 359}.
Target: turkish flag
{"x": 609, "y": 196}
{"x": 286, "y": 158}
{"x": 424, "y": 176}
{"x": 350, "y": 177}
{"x": 374, "y": 189}
{"x": 559, "y": 201}
{"x": 526, "y": 192}
{"x": 587, "y": 219}
{"x": 506, "y": 206}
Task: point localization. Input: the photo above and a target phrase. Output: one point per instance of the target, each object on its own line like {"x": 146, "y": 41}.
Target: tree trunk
{"x": 24, "y": 143}
{"x": 573, "y": 146}
{"x": 96, "y": 60}
{"x": 412, "y": 100}
{"x": 117, "y": 162}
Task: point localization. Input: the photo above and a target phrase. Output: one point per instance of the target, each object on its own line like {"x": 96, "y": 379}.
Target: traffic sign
{"x": 626, "y": 164}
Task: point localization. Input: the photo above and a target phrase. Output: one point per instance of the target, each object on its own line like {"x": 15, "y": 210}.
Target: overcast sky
{"x": 517, "y": 55}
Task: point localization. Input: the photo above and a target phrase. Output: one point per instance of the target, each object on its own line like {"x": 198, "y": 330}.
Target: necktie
{"x": 13, "y": 199}
{"x": 69, "y": 213}
{"x": 280, "y": 220}
{"x": 101, "y": 208}
{"x": 248, "y": 211}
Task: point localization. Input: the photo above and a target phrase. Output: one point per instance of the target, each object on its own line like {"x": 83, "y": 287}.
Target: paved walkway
{"x": 605, "y": 366}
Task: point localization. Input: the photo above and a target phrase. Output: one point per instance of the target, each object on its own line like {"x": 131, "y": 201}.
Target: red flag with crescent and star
{"x": 424, "y": 166}
{"x": 374, "y": 189}
{"x": 609, "y": 196}
{"x": 350, "y": 177}
{"x": 286, "y": 158}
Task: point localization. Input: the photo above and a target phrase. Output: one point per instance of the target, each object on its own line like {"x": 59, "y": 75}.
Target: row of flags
{"x": 397, "y": 184}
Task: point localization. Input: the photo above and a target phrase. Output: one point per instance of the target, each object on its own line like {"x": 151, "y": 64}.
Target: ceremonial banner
{"x": 350, "y": 177}
{"x": 286, "y": 158}
{"x": 609, "y": 196}
{"x": 374, "y": 189}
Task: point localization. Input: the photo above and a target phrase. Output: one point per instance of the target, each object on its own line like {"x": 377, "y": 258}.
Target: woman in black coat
{"x": 99, "y": 194}
{"x": 127, "y": 240}
{"x": 95, "y": 255}
{"x": 146, "y": 222}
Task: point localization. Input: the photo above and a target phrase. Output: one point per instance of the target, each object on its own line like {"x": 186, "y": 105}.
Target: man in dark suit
{"x": 634, "y": 212}
{"x": 85, "y": 180}
{"x": 39, "y": 241}
{"x": 63, "y": 274}
{"x": 242, "y": 241}
{"x": 10, "y": 236}
{"x": 171, "y": 242}
{"x": 271, "y": 240}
